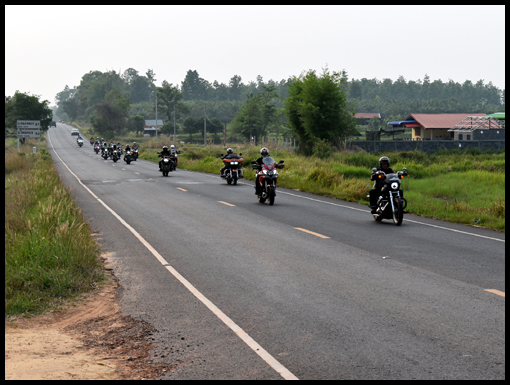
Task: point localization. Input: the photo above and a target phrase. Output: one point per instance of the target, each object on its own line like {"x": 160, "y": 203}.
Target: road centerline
{"x": 311, "y": 232}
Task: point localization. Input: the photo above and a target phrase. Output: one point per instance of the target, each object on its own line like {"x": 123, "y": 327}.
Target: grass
{"x": 50, "y": 255}
{"x": 461, "y": 187}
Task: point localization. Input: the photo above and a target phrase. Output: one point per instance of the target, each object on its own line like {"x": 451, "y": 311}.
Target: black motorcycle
{"x": 232, "y": 169}
{"x": 391, "y": 203}
{"x": 134, "y": 153}
{"x": 104, "y": 153}
{"x": 267, "y": 178}
{"x": 115, "y": 155}
{"x": 128, "y": 157}
{"x": 167, "y": 165}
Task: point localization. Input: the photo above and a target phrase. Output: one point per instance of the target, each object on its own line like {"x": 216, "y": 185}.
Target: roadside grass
{"x": 50, "y": 255}
{"x": 461, "y": 187}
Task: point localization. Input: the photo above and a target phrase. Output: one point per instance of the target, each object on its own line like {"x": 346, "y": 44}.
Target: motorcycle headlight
{"x": 166, "y": 160}
{"x": 234, "y": 163}
{"x": 394, "y": 186}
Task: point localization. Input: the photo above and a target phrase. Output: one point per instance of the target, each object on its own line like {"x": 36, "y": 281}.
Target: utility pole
{"x": 174, "y": 125}
{"x": 205, "y": 134}
{"x": 156, "y": 114}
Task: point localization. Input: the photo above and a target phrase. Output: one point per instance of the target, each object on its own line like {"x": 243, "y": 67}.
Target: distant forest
{"x": 131, "y": 96}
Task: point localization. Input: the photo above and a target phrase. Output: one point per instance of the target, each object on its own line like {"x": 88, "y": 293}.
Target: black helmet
{"x": 165, "y": 148}
{"x": 384, "y": 159}
{"x": 264, "y": 151}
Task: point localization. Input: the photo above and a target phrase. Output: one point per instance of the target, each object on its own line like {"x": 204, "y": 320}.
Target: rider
{"x": 173, "y": 153}
{"x": 126, "y": 150}
{"x": 263, "y": 153}
{"x": 135, "y": 146}
{"x": 161, "y": 154}
{"x": 384, "y": 166}
{"x": 229, "y": 151}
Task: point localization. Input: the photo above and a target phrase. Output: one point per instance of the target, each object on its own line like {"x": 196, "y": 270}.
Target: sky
{"x": 50, "y": 46}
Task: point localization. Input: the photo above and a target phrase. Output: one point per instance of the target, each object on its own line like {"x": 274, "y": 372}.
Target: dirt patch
{"x": 89, "y": 341}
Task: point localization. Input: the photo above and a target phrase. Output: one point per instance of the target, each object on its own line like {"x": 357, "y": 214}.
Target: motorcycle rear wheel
{"x": 398, "y": 214}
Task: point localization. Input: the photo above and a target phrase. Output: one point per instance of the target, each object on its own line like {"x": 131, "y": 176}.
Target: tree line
{"x": 315, "y": 108}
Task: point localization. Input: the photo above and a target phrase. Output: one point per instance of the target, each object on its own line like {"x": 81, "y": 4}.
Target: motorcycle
{"x": 128, "y": 157}
{"x": 104, "y": 153}
{"x": 391, "y": 204}
{"x": 135, "y": 154}
{"x": 96, "y": 149}
{"x": 167, "y": 165}
{"x": 267, "y": 178}
{"x": 80, "y": 142}
{"x": 115, "y": 156}
{"x": 92, "y": 141}
{"x": 232, "y": 171}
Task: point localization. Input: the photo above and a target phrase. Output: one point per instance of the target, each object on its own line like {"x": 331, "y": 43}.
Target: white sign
{"x": 29, "y": 128}
{"x": 29, "y": 124}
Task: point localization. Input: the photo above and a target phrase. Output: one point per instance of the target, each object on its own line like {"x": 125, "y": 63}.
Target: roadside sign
{"x": 29, "y": 128}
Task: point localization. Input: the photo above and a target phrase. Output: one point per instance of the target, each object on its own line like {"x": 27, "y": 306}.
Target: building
{"x": 362, "y": 118}
{"x": 479, "y": 128}
{"x": 149, "y": 126}
{"x": 432, "y": 126}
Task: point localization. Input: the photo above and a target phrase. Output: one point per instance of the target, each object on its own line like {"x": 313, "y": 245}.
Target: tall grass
{"x": 50, "y": 255}
{"x": 461, "y": 187}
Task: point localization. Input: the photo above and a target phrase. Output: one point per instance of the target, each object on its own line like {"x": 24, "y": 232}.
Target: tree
{"x": 194, "y": 87}
{"x": 110, "y": 115}
{"x": 317, "y": 109}
{"x": 26, "y": 107}
{"x": 169, "y": 97}
{"x": 192, "y": 126}
{"x": 248, "y": 121}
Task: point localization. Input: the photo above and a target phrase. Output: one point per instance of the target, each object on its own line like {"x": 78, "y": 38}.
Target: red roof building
{"x": 432, "y": 126}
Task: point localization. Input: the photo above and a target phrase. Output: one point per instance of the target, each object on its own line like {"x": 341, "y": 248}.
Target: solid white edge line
{"x": 408, "y": 220}
{"x": 268, "y": 358}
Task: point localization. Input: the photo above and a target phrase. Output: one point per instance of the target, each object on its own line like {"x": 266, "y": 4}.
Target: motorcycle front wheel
{"x": 398, "y": 213}
{"x": 271, "y": 195}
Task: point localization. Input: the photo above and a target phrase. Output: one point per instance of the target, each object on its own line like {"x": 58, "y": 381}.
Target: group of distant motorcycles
{"x": 390, "y": 204}
{"x": 113, "y": 151}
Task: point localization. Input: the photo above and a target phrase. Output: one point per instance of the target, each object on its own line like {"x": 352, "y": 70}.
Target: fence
{"x": 428, "y": 146}
{"x": 289, "y": 143}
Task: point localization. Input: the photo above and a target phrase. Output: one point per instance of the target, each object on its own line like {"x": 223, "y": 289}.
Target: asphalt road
{"x": 311, "y": 287}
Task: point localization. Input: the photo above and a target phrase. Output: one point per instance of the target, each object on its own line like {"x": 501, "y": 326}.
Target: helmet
{"x": 384, "y": 159}
{"x": 134, "y": 143}
{"x": 172, "y": 146}
{"x": 165, "y": 148}
{"x": 229, "y": 151}
{"x": 264, "y": 151}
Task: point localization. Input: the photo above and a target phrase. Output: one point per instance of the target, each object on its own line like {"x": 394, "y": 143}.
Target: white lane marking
{"x": 270, "y": 360}
{"x": 407, "y": 220}
{"x": 365, "y": 210}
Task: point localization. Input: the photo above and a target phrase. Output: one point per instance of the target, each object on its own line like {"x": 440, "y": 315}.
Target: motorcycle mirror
{"x": 281, "y": 161}
{"x": 221, "y": 154}
{"x": 240, "y": 153}
{"x": 374, "y": 169}
{"x": 253, "y": 162}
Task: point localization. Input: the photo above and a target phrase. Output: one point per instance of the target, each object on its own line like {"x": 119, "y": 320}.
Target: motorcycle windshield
{"x": 269, "y": 162}
{"x": 391, "y": 176}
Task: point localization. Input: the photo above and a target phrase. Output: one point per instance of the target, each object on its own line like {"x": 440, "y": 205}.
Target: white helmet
{"x": 172, "y": 146}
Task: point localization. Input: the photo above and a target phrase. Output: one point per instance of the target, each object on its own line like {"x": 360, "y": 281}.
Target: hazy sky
{"x": 50, "y": 46}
